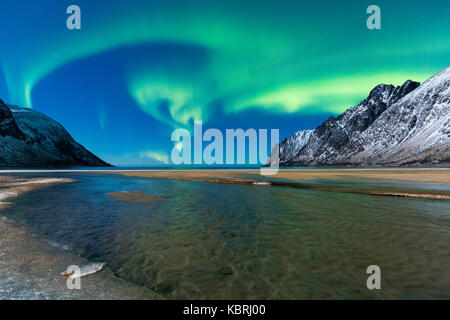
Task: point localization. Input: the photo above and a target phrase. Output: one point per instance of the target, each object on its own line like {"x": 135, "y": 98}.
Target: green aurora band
{"x": 277, "y": 56}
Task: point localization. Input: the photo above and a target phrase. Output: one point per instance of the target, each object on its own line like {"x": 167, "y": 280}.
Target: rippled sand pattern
{"x": 290, "y": 244}
{"x": 295, "y": 251}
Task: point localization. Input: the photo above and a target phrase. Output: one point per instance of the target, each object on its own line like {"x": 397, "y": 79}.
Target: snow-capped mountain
{"x": 30, "y": 139}
{"x": 292, "y": 145}
{"x": 404, "y": 125}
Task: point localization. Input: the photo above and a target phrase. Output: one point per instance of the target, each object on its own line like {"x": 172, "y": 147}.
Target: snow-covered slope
{"x": 409, "y": 124}
{"x": 30, "y": 139}
{"x": 415, "y": 130}
{"x": 292, "y": 145}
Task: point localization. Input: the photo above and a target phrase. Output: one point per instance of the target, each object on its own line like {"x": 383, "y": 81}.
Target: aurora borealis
{"x": 139, "y": 69}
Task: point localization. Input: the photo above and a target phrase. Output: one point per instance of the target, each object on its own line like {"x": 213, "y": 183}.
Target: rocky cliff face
{"x": 409, "y": 124}
{"x": 30, "y": 139}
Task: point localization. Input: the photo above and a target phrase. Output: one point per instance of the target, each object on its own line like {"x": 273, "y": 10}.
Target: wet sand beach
{"x": 292, "y": 177}
{"x": 417, "y": 175}
{"x": 30, "y": 267}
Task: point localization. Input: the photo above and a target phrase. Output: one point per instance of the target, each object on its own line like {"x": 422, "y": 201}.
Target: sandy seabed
{"x": 30, "y": 268}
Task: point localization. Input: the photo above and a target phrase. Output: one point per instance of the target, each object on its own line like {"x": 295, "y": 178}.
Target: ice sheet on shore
{"x": 11, "y": 187}
{"x": 7, "y": 194}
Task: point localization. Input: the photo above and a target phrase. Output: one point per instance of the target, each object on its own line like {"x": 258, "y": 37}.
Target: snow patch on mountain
{"x": 292, "y": 145}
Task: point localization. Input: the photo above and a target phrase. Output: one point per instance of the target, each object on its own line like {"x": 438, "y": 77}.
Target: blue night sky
{"x": 137, "y": 70}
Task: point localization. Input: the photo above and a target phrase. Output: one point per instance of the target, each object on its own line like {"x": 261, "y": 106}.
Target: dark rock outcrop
{"x": 8, "y": 126}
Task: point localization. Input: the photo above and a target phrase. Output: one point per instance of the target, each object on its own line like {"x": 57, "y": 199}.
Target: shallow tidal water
{"x": 199, "y": 240}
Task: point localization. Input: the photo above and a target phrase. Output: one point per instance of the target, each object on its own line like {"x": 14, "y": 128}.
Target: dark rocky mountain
{"x": 30, "y": 139}
{"x": 404, "y": 125}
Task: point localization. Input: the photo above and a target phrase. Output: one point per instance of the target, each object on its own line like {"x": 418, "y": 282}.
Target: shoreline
{"x": 31, "y": 267}
{"x": 439, "y": 174}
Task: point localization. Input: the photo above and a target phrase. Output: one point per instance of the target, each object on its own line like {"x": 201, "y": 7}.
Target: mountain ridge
{"x": 29, "y": 138}
{"x": 393, "y": 126}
